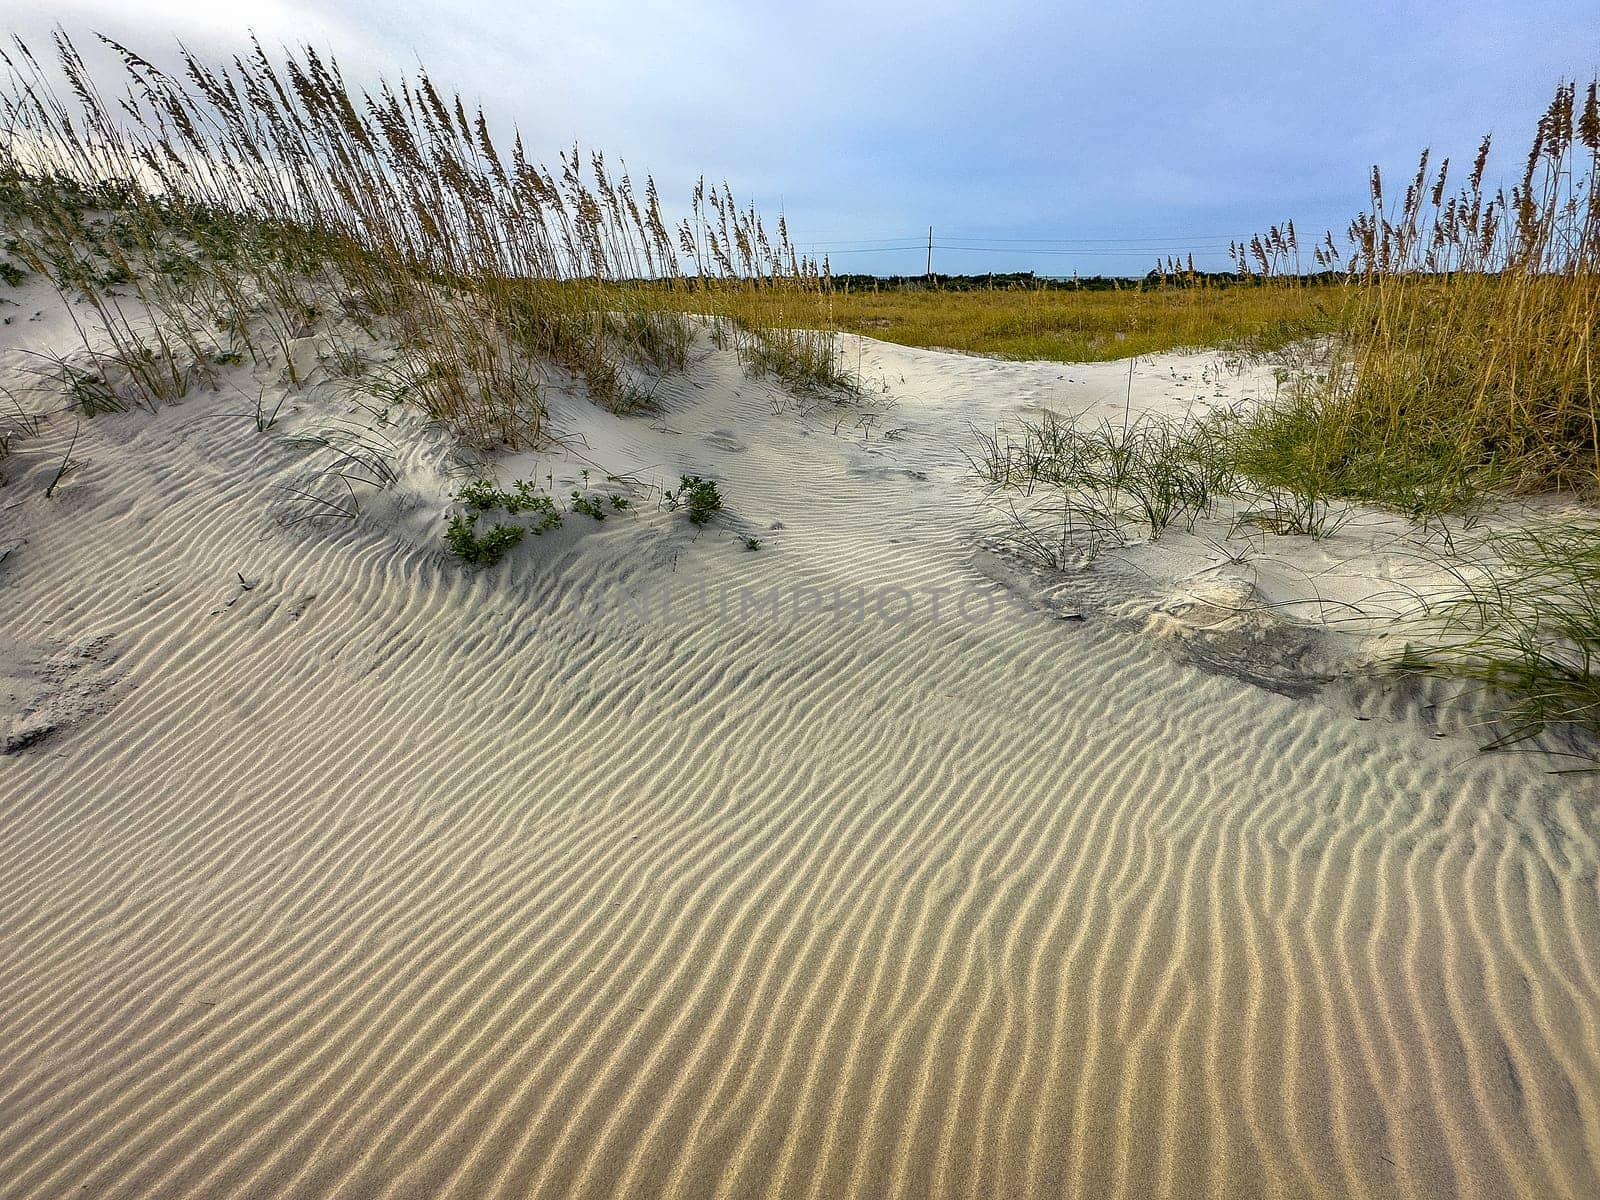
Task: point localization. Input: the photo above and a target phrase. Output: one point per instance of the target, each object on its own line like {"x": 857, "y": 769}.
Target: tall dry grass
{"x": 220, "y": 210}
{"x": 771, "y": 304}
{"x": 1467, "y": 363}
{"x": 1471, "y": 327}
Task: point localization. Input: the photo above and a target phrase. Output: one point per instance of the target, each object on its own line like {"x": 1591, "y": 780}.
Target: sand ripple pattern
{"x": 395, "y": 880}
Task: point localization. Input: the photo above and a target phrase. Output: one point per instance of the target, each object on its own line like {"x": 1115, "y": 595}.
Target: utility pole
{"x": 930, "y": 255}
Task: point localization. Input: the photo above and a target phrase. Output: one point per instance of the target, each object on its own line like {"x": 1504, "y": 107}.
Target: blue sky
{"x": 1082, "y": 137}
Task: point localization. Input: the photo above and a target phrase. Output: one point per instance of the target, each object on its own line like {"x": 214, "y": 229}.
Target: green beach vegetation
{"x": 1447, "y": 354}
{"x": 1445, "y": 349}
{"x": 217, "y": 213}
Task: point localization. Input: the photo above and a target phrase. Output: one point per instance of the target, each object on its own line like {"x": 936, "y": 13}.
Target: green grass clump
{"x": 1526, "y": 625}
{"x": 649, "y": 335}
{"x": 1525, "y": 622}
{"x": 698, "y": 497}
{"x": 1153, "y": 471}
{"x": 807, "y": 360}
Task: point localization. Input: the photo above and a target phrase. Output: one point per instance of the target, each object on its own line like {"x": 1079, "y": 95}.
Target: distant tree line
{"x": 1028, "y": 280}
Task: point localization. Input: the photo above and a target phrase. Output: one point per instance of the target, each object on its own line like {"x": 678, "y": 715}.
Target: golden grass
{"x": 1087, "y": 326}
{"x": 231, "y": 202}
{"x": 1465, "y": 327}
{"x": 1471, "y": 327}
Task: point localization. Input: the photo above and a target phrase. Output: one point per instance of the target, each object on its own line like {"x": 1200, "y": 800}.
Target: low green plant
{"x": 113, "y": 275}
{"x": 588, "y": 506}
{"x": 526, "y": 498}
{"x": 751, "y": 542}
{"x": 481, "y": 495}
{"x": 620, "y": 503}
{"x": 698, "y": 497}
{"x": 480, "y": 549}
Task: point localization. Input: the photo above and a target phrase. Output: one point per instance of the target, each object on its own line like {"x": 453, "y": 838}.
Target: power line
{"x": 983, "y": 237}
{"x": 1151, "y": 240}
{"x": 873, "y": 249}
{"x": 917, "y": 241}
{"x": 1144, "y": 251}
{"x": 918, "y": 238}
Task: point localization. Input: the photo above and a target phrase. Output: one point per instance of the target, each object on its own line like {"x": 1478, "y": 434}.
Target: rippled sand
{"x": 379, "y": 877}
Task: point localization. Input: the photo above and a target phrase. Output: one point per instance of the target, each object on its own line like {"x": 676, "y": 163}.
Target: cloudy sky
{"x": 1055, "y": 137}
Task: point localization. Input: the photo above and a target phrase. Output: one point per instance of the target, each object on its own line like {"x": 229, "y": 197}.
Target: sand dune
{"x": 335, "y": 869}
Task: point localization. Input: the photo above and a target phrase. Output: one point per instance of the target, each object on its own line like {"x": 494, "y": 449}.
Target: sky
{"x": 1062, "y": 138}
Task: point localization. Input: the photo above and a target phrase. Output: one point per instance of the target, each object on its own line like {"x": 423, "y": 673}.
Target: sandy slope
{"x": 366, "y": 875}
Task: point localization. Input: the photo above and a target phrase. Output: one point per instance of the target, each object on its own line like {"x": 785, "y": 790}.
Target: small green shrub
{"x": 112, "y": 275}
{"x": 699, "y": 497}
{"x": 588, "y": 506}
{"x": 484, "y": 549}
{"x": 526, "y": 497}
{"x": 481, "y": 495}
{"x": 545, "y": 507}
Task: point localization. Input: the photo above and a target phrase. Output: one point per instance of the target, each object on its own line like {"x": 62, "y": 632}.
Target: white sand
{"x": 371, "y": 875}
